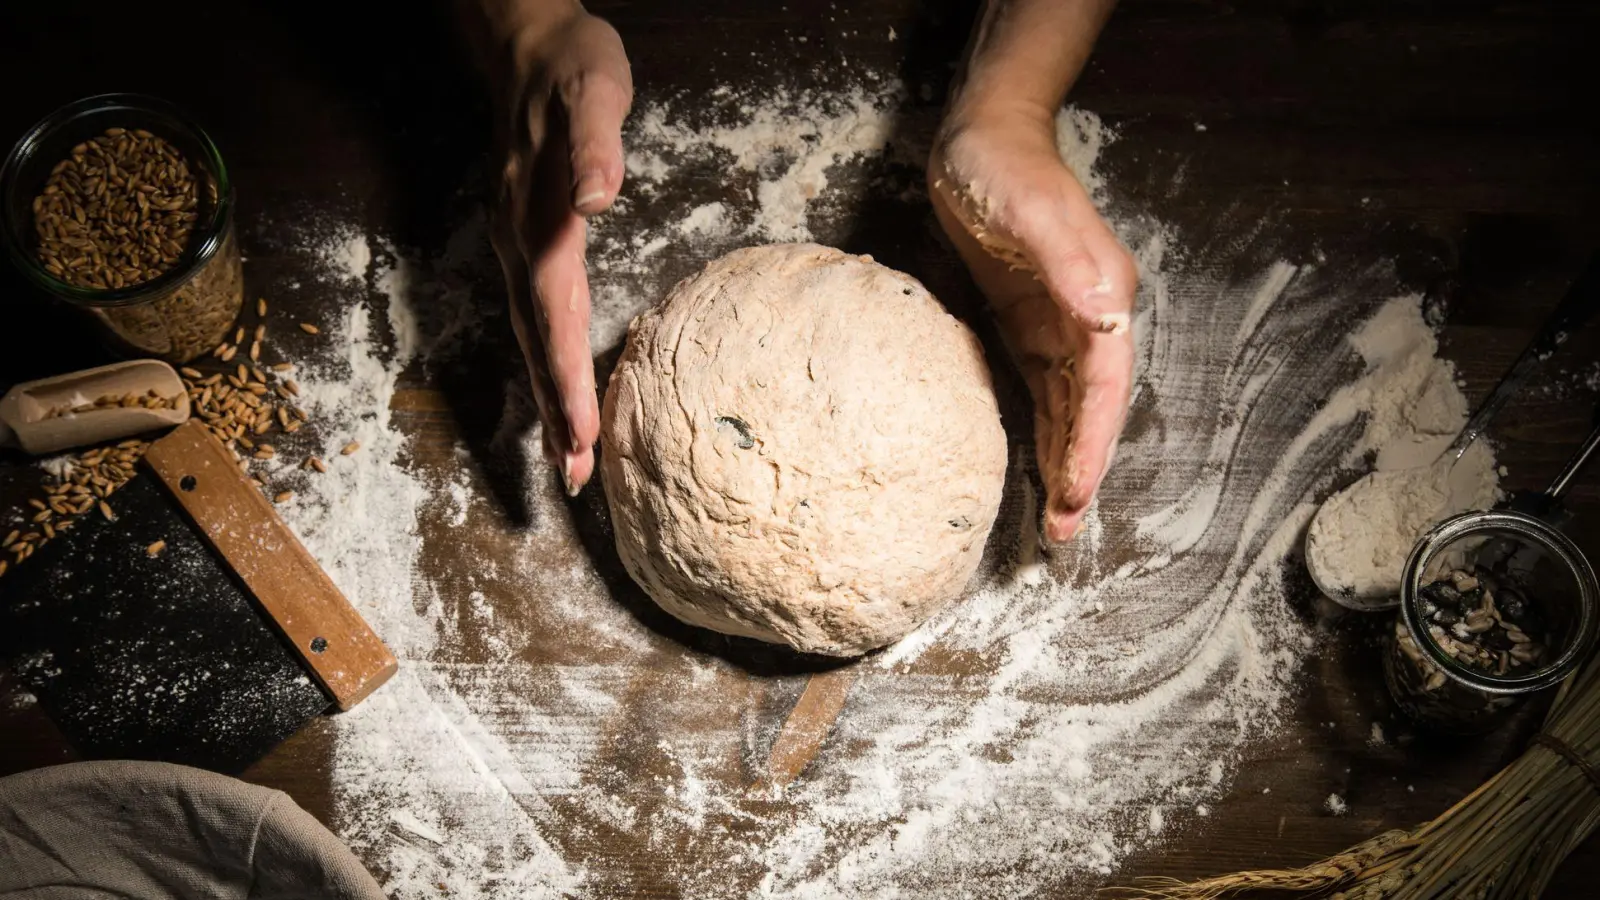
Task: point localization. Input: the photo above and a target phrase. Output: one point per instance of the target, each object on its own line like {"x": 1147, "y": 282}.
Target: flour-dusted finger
{"x": 523, "y": 323}
{"x": 596, "y": 97}
{"x": 1076, "y": 256}
{"x": 1104, "y": 373}
{"x": 560, "y": 291}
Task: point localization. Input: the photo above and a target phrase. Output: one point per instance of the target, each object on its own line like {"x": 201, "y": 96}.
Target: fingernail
{"x": 1056, "y": 528}
{"x": 591, "y": 187}
{"x": 566, "y": 475}
{"x": 1112, "y": 323}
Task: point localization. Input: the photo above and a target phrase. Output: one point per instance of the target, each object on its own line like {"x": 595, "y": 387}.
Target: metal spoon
{"x": 1575, "y": 308}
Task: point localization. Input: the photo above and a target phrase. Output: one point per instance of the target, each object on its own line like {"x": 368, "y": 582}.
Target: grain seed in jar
{"x": 1480, "y": 622}
{"x": 116, "y": 212}
{"x": 121, "y": 207}
{"x": 1483, "y": 623}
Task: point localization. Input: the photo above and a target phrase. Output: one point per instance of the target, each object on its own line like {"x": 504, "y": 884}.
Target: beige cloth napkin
{"x": 144, "y": 830}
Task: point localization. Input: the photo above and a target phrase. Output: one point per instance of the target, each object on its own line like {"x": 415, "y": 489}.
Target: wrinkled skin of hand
{"x": 1062, "y": 288}
{"x": 559, "y": 143}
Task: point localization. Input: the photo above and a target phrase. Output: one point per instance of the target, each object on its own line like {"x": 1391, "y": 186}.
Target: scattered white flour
{"x": 1111, "y": 679}
{"x": 788, "y": 141}
{"x": 1361, "y": 537}
{"x": 409, "y": 761}
{"x": 1376, "y": 737}
{"x": 710, "y": 219}
{"x": 345, "y": 256}
{"x": 1335, "y": 804}
{"x": 1081, "y": 136}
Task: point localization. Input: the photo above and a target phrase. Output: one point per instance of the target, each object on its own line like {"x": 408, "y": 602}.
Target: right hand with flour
{"x": 1060, "y": 283}
{"x": 561, "y": 88}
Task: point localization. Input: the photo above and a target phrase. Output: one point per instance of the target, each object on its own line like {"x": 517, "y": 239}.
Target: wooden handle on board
{"x": 807, "y": 727}
{"x": 333, "y": 641}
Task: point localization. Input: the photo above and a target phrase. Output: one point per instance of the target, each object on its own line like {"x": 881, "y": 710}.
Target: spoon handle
{"x": 1580, "y": 302}
{"x": 1574, "y": 465}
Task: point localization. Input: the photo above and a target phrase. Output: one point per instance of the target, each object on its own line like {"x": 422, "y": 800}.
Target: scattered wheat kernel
{"x": 261, "y": 332}
{"x": 317, "y": 464}
{"x": 309, "y": 328}
{"x": 261, "y": 306}
{"x": 191, "y": 373}
{"x": 350, "y": 448}
{"x": 283, "y": 497}
{"x": 105, "y": 510}
{"x": 238, "y": 336}
{"x": 255, "y": 350}
{"x": 156, "y": 548}
{"x": 282, "y": 367}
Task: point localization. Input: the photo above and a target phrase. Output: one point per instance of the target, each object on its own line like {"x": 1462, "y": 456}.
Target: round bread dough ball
{"x": 802, "y": 446}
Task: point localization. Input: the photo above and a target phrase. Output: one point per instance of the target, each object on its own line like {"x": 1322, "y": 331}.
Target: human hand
{"x": 561, "y": 97}
{"x": 1060, "y": 283}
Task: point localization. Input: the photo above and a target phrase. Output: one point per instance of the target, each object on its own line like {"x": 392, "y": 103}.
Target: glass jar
{"x": 1494, "y": 606}
{"x": 197, "y": 289}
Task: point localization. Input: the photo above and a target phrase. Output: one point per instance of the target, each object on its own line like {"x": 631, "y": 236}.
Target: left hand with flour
{"x": 1060, "y": 283}
{"x": 561, "y": 87}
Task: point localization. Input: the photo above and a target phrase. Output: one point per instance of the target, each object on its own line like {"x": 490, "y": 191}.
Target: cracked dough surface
{"x": 802, "y": 446}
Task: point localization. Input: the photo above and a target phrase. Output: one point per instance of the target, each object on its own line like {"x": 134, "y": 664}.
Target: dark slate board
{"x": 163, "y": 658}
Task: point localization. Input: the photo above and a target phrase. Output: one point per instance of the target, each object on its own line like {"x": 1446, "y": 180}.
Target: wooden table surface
{"x": 1454, "y": 139}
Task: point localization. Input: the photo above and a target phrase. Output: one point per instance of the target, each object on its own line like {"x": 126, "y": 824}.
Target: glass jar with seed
{"x": 1494, "y": 606}
{"x": 120, "y": 206}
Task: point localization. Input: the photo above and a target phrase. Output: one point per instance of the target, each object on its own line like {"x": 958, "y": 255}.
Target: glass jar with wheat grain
{"x": 1495, "y": 606}
{"x": 120, "y": 206}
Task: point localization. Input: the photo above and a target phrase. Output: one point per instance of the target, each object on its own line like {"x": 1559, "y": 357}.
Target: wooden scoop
{"x": 93, "y": 406}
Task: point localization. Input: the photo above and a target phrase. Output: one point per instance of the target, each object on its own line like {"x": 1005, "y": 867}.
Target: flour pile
{"x": 1111, "y": 685}
{"x": 1358, "y": 542}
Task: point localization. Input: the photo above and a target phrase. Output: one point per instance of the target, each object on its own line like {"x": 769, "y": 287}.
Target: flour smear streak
{"x": 1118, "y": 679}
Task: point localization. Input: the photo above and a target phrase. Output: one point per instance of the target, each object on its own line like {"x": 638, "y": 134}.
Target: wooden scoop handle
{"x": 333, "y": 641}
